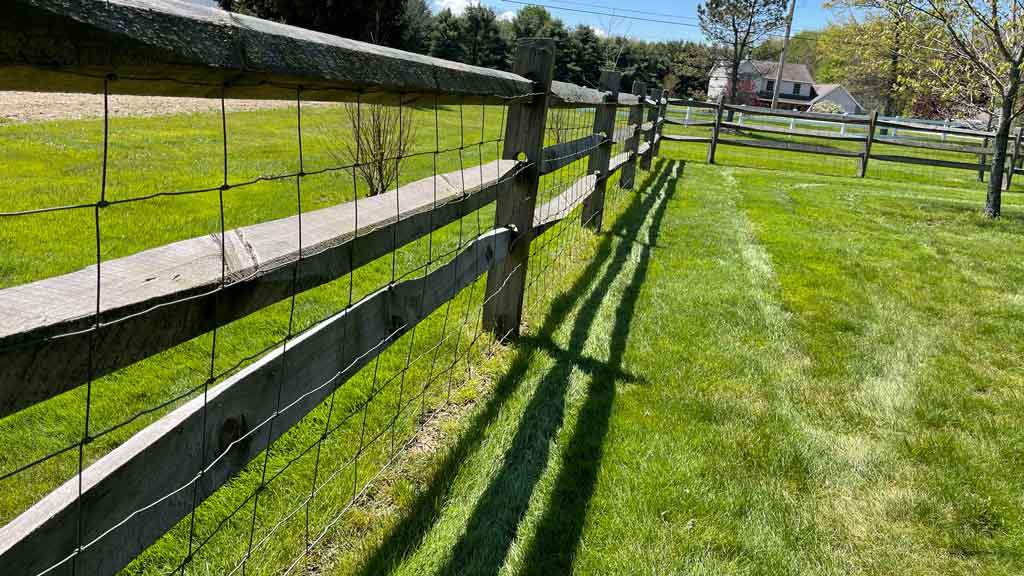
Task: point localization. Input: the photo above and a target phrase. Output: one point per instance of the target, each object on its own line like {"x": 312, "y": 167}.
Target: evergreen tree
{"x": 585, "y": 55}
{"x": 536, "y": 22}
{"x": 445, "y": 38}
{"x": 416, "y": 26}
{"x": 375, "y": 21}
{"x": 480, "y": 38}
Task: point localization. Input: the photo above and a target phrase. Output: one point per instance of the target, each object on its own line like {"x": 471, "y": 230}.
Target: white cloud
{"x": 507, "y": 16}
{"x": 456, "y": 6}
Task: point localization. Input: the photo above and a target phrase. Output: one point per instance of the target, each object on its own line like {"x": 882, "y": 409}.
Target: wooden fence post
{"x": 524, "y": 134}
{"x": 715, "y": 130}
{"x": 604, "y": 124}
{"x": 636, "y": 118}
{"x": 662, "y": 111}
{"x": 868, "y": 139}
{"x": 1014, "y": 157}
{"x": 652, "y": 117}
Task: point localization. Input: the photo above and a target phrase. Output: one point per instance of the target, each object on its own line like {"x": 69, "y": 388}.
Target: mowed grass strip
{"x": 761, "y": 367}
{"x": 763, "y": 371}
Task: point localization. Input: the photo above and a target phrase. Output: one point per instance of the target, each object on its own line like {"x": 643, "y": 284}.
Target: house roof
{"x": 790, "y": 71}
{"x": 823, "y": 90}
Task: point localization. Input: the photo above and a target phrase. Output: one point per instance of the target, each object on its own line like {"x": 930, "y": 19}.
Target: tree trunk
{"x": 993, "y": 203}
{"x": 889, "y": 104}
{"x": 733, "y": 84}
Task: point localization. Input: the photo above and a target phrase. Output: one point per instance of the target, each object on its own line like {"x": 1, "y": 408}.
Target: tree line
{"x": 478, "y": 36}
{"x": 923, "y": 58}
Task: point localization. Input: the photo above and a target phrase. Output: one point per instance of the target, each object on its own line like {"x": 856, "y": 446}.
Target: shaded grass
{"x": 761, "y": 367}
{"x": 762, "y": 372}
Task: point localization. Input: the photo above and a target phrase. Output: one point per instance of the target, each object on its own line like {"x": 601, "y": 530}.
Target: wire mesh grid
{"x": 370, "y": 414}
{"x": 218, "y": 178}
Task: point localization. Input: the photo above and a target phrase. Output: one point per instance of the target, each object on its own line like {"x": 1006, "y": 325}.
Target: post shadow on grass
{"x": 420, "y": 517}
{"x": 492, "y": 527}
{"x": 553, "y": 548}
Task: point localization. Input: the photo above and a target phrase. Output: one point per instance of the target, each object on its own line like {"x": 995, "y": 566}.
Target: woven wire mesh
{"x": 347, "y": 440}
{"x": 228, "y": 172}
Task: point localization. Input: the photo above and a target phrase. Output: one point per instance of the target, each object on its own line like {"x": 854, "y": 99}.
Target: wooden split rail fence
{"x": 57, "y": 334}
{"x": 761, "y": 129}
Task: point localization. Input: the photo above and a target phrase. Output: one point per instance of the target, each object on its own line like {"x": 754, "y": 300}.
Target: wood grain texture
{"x": 716, "y": 130}
{"x": 158, "y": 298}
{"x": 862, "y": 170}
{"x": 927, "y": 145}
{"x": 628, "y": 100}
{"x": 184, "y": 49}
{"x": 155, "y": 471}
{"x": 691, "y": 103}
{"x": 592, "y": 215}
{"x": 568, "y": 95}
{"x": 790, "y": 146}
{"x": 902, "y": 125}
{"x": 930, "y": 162}
{"x": 821, "y": 116}
{"x": 690, "y": 123}
{"x": 636, "y": 118}
{"x": 1014, "y": 158}
{"x": 560, "y": 207}
{"x": 660, "y": 123}
{"x": 678, "y": 138}
{"x": 565, "y": 153}
{"x": 649, "y": 128}
{"x": 787, "y": 132}
{"x": 524, "y": 135}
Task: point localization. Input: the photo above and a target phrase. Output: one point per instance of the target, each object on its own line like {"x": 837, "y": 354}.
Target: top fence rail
{"x": 171, "y": 48}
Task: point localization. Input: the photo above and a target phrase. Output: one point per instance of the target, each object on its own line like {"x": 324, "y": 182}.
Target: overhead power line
{"x": 616, "y": 11}
{"x": 673, "y": 22}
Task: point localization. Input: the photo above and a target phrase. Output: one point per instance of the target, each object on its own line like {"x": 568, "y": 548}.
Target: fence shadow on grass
{"x": 553, "y": 548}
{"x": 484, "y": 545}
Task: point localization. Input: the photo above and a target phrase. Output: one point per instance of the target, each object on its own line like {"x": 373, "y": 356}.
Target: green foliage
{"x": 827, "y": 106}
{"x": 416, "y": 25}
{"x": 481, "y": 39}
{"x": 378, "y": 22}
{"x": 585, "y": 56}
{"x": 803, "y": 49}
{"x": 477, "y": 37}
{"x": 736, "y": 26}
{"x": 866, "y": 56}
{"x": 446, "y": 37}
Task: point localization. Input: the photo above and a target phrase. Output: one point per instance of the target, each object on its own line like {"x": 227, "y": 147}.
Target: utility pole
{"x": 782, "y": 57}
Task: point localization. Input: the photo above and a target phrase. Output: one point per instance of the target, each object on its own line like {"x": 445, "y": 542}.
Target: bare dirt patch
{"x": 43, "y": 106}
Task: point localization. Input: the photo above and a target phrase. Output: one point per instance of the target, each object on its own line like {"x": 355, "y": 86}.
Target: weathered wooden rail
{"x": 56, "y": 334}
{"x": 871, "y": 127}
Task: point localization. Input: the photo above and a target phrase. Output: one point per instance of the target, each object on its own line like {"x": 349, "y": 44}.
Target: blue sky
{"x": 632, "y": 17}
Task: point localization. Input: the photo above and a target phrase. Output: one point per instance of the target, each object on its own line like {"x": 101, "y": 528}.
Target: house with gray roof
{"x": 798, "y": 91}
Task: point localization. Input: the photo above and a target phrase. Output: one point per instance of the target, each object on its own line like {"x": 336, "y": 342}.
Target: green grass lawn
{"x": 761, "y": 371}
{"x": 764, "y": 366}
{"x": 59, "y": 164}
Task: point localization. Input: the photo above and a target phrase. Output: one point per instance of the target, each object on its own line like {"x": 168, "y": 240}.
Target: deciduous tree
{"x": 736, "y": 26}
{"x": 972, "y": 52}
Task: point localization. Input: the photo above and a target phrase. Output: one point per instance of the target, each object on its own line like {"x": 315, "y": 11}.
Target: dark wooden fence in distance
{"x": 866, "y": 131}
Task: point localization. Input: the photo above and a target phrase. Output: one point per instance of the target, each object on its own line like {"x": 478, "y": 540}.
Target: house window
{"x": 796, "y": 88}
{"x": 770, "y": 87}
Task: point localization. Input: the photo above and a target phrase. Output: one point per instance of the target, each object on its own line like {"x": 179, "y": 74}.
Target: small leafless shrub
{"x": 377, "y": 139}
